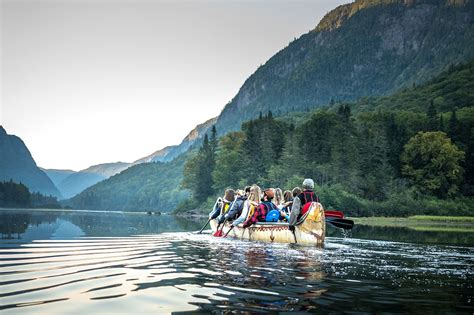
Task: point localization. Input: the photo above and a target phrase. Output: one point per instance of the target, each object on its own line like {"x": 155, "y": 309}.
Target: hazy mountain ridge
{"x": 17, "y": 164}
{"x": 170, "y": 152}
{"x": 145, "y": 186}
{"x": 57, "y": 175}
{"x": 78, "y": 181}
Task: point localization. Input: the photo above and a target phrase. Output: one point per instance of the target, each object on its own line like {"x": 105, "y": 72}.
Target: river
{"x": 76, "y": 262}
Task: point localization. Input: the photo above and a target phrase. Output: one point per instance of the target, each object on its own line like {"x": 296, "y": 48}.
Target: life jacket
{"x": 307, "y": 197}
{"x": 225, "y": 206}
{"x": 220, "y": 208}
{"x": 236, "y": 208}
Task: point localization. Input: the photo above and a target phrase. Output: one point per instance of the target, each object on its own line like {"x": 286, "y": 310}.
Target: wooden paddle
{"x": 340, "y": 223}
{"x": 204, "y": 226}
{"x": 228, "y": 231}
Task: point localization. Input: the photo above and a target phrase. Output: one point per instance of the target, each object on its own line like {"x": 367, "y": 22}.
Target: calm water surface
{"x": 114, "y": 263}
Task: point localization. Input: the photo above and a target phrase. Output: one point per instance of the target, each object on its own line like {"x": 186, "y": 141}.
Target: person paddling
{"x": 222, "y": 204}
{"x": 301, "y": 202}
{"x": 237, "y": 206}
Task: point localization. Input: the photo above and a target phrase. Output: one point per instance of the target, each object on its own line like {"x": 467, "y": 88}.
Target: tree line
{"x": 373, "y": 163}
{"x": 18, "y": 196}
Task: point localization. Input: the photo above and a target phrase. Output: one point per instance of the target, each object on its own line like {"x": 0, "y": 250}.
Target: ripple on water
{"x": 187, "y": 272}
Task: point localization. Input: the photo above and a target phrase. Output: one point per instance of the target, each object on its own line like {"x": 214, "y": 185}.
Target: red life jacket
{"x": 307, "y": 197}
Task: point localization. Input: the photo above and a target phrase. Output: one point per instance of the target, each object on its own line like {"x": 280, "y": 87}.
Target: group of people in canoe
{"x": 251, "y": 205}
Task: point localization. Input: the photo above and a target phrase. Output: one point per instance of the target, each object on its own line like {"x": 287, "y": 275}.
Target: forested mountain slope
{"x": 365, "y": 48}
{"x": 353, "y": 150}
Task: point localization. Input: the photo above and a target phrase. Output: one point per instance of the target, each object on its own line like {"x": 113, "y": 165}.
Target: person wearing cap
{"x": 301, "y": 202}
{"x": 263, "y": 208}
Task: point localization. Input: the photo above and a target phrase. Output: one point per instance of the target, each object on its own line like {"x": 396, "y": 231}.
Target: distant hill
{"x": 146, "y": 186}
{"x": 57, "y": 175}
{"x": 78, "y": 181}
{"x": 17, "y": 164}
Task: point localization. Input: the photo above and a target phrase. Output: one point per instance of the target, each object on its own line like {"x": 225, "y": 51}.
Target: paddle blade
{"x": 341, "y": 223}
{"x": 218, "y": 233}
{"x": 334, "y": 214}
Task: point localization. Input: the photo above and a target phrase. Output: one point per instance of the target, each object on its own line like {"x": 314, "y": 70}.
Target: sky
{"x": 85, "y": 82}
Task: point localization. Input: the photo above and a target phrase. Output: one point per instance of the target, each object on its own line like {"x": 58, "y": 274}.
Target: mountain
{"x": 78, "y": 181}
{"x": 145, "y": 186}
{"x": 17, "y": 164}
{"x": 57, "y": 175}
{"x": 364, "y": 48}
{"x": 168, "y": 153}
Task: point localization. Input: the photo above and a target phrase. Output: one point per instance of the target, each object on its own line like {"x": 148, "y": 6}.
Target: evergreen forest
{"x": 404, "y": 154}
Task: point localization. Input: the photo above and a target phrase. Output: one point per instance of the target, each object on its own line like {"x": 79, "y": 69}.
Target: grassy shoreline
{"x": 422, "y": 223}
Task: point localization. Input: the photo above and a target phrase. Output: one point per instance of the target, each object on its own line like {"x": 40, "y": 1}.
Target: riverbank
{"x": 422, "y": 223}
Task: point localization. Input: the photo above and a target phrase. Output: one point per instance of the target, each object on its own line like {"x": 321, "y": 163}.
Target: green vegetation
{"x": 432, "y": 163}
{"x": 442, "y": 218}
{"x": 18, "y": 196}
{"x": 391, "y": 163}
{"x": 423, "y": 223}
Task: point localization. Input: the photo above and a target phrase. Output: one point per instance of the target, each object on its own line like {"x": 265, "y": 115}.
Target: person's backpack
{"x": 272, "y": 216}
{"x": 272, "y": 211}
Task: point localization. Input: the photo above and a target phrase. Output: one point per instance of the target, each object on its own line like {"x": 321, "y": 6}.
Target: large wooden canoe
{"x": 311, "y": 229}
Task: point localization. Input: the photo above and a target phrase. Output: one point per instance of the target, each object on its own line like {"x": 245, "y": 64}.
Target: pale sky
{"x": 85, "y": 82}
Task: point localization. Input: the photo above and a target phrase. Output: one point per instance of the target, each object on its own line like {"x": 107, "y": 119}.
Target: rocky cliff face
{"x": 17, "y": 164}
{"x": 365, "y": 48}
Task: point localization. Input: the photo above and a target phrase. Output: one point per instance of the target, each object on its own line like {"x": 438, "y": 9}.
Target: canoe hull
{"x": 311, "y": 232}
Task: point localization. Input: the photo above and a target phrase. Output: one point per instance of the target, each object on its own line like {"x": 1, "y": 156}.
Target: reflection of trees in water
{"x": 402, "y": 234}
{"x": 13, "y": 223}
{"x": 95, "y": 224}
{"x": 121, "y": 224}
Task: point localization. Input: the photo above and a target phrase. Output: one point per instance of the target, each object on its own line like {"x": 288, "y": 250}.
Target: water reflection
{"x": 30, "y": 225}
